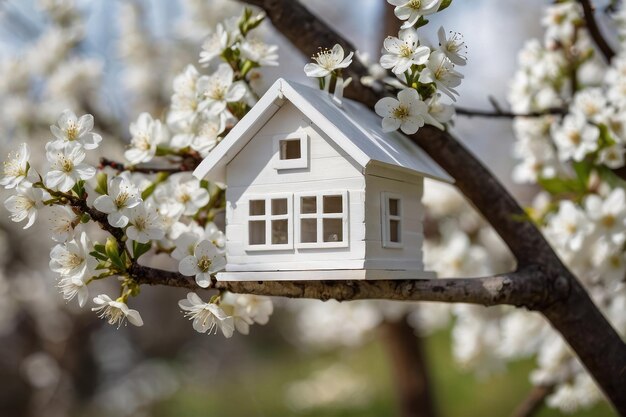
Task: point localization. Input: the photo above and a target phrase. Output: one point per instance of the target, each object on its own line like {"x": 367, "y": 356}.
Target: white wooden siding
{"x": 409, "y": 256}
{"x": 252, "y": 172}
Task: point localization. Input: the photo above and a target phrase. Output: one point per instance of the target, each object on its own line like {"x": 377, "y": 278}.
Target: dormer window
{"x": 291, "y": 150}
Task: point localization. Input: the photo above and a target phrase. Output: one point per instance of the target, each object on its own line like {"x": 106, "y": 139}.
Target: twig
{"x": 533, "y": 402}
{"x": 186, "y": 165}
{"x": 594, "y": 30}
{"x": 500, "y": 114}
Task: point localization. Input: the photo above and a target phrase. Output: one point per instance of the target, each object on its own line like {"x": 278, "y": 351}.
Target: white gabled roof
{"x": 353, "y": 127}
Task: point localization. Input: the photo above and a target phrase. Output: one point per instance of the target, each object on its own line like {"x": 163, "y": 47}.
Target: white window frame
{"x": 319, "y": 215}
{"x": 268, "y": 217}
{"x": 386, "y": 218}
{"x": 303, "y": 161}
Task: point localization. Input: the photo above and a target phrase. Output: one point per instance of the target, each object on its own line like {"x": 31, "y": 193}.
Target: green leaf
{"x": 98, "y": 256}
{"x": 562, "y": 185}
{"x": 444, "y": 5}
{"x": 422, "y": 21}
{"x": 100, "y": 248}
{"x": 113, "y": 253}
{"x": 140, "y": 248}
{"x": 148, "y": 191}
{"x": 102, "y": 181}
{"x": 583, "y": 171}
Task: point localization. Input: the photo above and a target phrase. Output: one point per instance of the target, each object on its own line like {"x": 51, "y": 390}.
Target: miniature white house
{"x": 317, "y": 191}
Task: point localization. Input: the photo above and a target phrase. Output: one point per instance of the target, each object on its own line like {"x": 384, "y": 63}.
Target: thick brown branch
{"x": 575, "y": 316}
{"x": 499, "y": 114}
{"x": 594, "y": 30}
{"x": 522, "y": 288}
{"x": 533, "y": 402}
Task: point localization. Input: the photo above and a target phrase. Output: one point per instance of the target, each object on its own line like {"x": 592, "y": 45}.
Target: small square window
{"x": 333, "y": 230}
{"x": 333, "y": 204}
{"x": 279, "y": 206}
{"x": 256, "y": 230}
{"x": 308, "y": 205}
{"x": 290, "y": 149}
{"x": 257, "y": 207}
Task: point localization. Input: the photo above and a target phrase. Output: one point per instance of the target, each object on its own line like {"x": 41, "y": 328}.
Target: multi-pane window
{"x": 391, "y": 208}
{"x": 321, "y": 219}
{"x": 269, "y": 223}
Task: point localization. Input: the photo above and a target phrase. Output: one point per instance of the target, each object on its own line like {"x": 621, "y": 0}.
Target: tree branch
{"x": 594, "y": 30}
{"x": 523, "y": 288}
{"x": 575, "y": 316}
{"x": 187, "y": 164}
{"x": 533, "y": 402}
{"x": 499, "y": 114}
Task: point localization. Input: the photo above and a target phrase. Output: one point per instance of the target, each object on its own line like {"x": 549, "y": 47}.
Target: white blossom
{"x": 69, "y": 128}
{"x": 71, "y": 287}
{"x": 25, "y": 204}
{"x": 328, "y": 61}
{"x": 116, "y": 312}
{"x": 122, "y": 195}
{"x": 609, "y": 215}
{"x": 214, "y": 45}
{"x": 66, "y": 166}
{"x": 15, "y": 168}
{"x": 412, "y": 10}
{"x": 183, "y": 191}
{"x": 453, "y": 47}
{"x": 218, "y": 89}
{"x": 404, "y": 52}
{"x": 147, "y": 133}
{"x": 205, "y": 261}
{"x": 575, "y": 138}
{"x": 62, "y": 222}
{"x": 257, "y": 51}
{"x": 144, "y": 224}
{"x": 569, "y": 227}
{"x": 440, "y": 70}
{"x": 408, "y": 112}
{"x": 207, "y": 317}
{"x": 72, "y": 259}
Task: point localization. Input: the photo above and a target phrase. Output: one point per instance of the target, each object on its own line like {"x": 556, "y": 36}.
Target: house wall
{"x": 410, "y": 188}
{"x": 251, "y": 172}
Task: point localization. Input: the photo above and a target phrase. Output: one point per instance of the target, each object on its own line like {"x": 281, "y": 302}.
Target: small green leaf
{"x": 102, "y": 183}
{"x": 100, "y": 248}
{"x": 98, "y": 256}
{"x": 84, "y": 218}
{"x": 113, "y": 253}
{"x": 562, "y": 185}
{"x": 444, "y": 5}
{"x": 140, "y": 248}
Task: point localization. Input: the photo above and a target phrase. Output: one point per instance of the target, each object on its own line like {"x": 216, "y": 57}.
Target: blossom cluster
{"x": 145, "y": 209}
{"x": 570, "y": 147}
{"x": 422, "y": 73}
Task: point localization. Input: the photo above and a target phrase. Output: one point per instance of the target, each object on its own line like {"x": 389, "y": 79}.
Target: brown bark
{"x": 533, "y": 402}
{"x": 594, "y": 30}
{"x": 410, "y": 370}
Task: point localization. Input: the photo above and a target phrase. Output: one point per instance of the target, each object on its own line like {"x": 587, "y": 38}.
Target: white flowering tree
{"x": 108, "y": 220}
